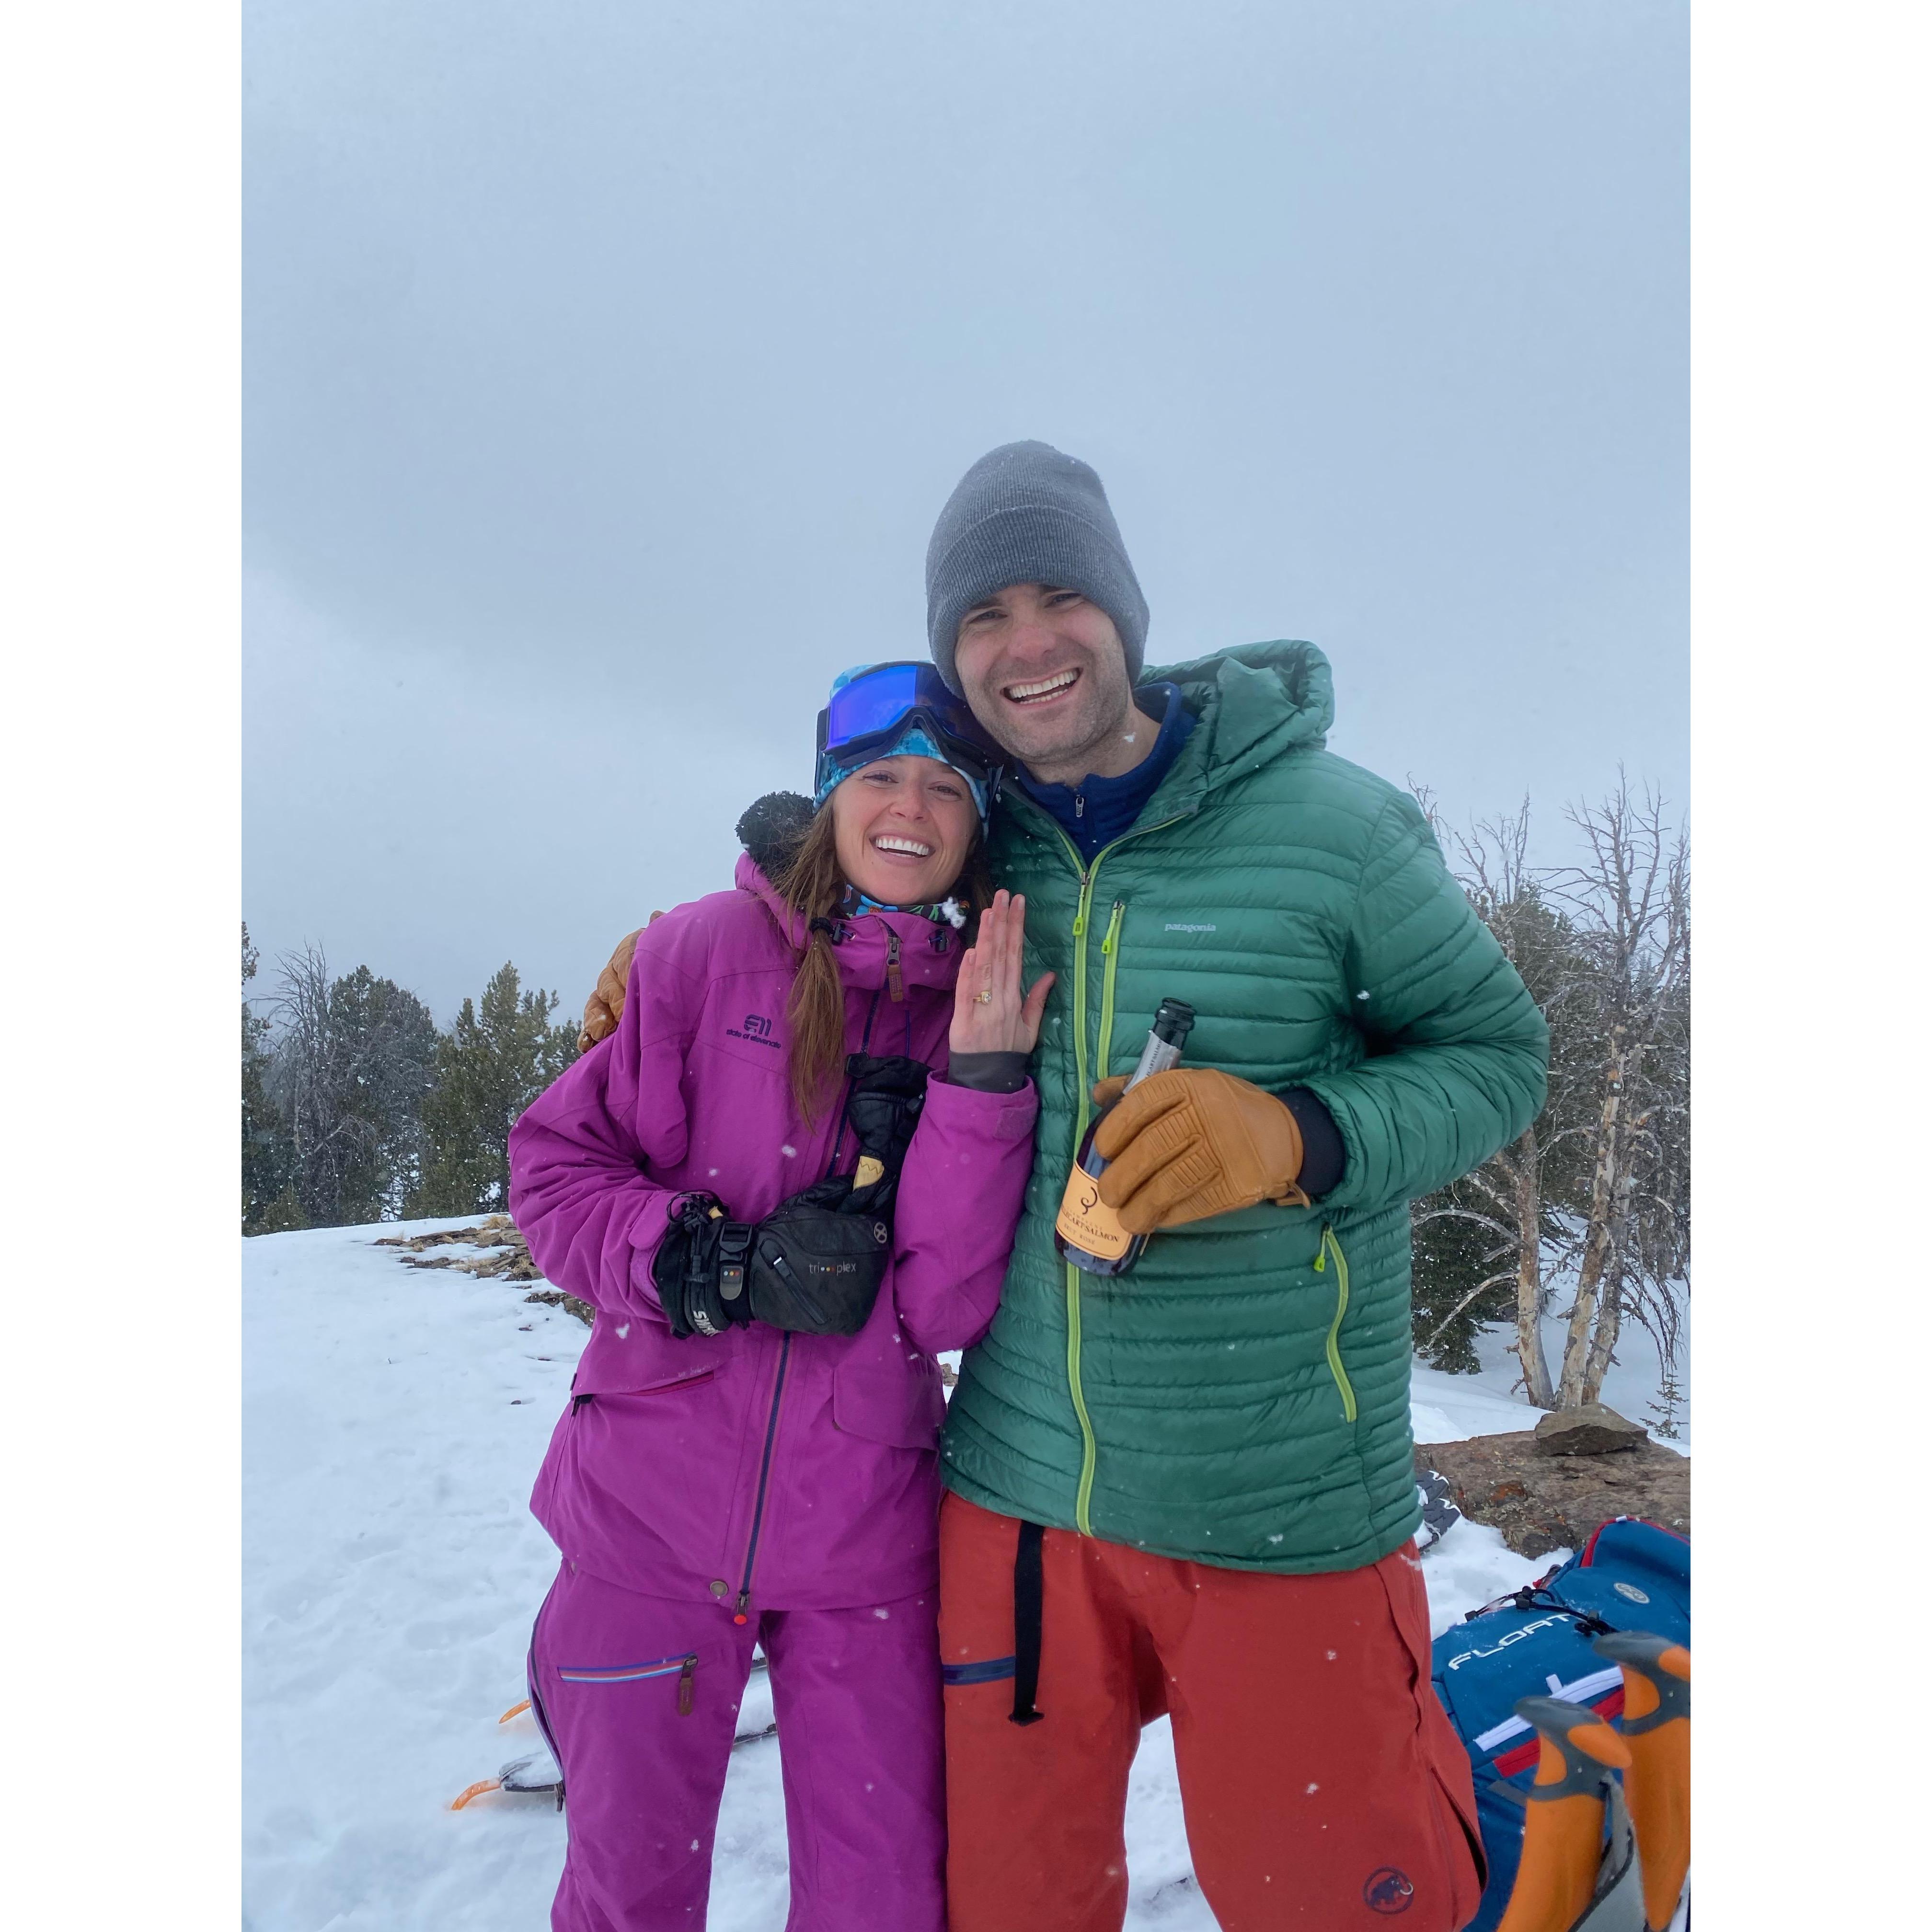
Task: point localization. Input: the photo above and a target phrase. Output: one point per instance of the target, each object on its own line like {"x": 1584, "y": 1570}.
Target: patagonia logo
{"x": 623, "y": 1673}
{"x": 1389, "y": 1892}
{"x": 1183, "y": 925}
{"x": 753, "y": 1026}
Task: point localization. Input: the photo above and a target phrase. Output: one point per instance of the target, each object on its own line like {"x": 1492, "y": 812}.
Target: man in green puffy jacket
{"x": 1188, "y": 1489}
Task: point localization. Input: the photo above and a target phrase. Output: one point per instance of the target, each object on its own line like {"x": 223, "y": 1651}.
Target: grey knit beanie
{"x": 1025, "y": 514}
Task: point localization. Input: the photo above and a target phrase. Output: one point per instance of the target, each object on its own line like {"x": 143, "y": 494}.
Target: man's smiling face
{"x": 1045, "y": 672}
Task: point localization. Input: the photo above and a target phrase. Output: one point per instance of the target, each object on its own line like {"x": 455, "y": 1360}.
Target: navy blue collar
{"x": 1097, "y": 811}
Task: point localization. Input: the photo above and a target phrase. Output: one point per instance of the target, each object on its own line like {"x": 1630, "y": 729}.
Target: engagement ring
{"x": 983, "y": 999}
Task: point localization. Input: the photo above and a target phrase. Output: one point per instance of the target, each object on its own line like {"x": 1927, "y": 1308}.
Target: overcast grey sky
{"x": 607, "y": 365}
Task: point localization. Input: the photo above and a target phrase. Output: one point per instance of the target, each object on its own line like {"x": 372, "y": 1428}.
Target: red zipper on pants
{"x": 739, "y": 1611}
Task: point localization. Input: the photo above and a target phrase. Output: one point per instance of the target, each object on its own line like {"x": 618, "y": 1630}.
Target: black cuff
{"x": 1324, "y": 1159}
{"x": 988, "y": 1072}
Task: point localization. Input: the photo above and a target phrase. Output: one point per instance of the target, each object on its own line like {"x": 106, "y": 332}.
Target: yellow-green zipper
{"x": 1335, "y": 1368}
{"x": 1110, "y": 951}
{"x": 1082, "y": 1495}
{"x": 1083, "y": 912}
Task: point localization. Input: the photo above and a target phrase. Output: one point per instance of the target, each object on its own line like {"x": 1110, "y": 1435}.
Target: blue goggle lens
{"x": 876, "y": 700}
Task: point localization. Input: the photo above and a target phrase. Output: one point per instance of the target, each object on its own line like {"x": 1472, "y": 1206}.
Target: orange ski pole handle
{"x": 515, "y": 1710}
{"x": 476, "y": 1790}
{"x": 1563, "y": 1825}
{"x": 1657, "y": 1787}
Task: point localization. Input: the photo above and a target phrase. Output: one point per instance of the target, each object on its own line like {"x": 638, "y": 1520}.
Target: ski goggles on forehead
{"x": 880, "y": 707}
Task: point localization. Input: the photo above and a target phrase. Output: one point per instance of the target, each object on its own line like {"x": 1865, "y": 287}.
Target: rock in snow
{"x": 1588, "y": 1429}
{"x": 1542, "y": 1503}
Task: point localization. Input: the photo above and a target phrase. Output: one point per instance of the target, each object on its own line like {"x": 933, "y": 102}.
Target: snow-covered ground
{"x": 394, "y": 1419}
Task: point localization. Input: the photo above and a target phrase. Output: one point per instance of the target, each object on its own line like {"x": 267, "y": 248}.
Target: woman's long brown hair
{"x": 812, "y": 887}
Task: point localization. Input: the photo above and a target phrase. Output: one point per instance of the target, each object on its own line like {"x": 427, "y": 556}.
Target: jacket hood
{"x": 1252, "y": 703}
{"x": 928, "y": 954}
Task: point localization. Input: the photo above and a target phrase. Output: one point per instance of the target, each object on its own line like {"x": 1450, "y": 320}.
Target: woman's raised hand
{"x": 989, "y": 1014}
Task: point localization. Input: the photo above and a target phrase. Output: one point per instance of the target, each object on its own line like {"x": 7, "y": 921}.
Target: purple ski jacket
{"x": 759, "y": 1468}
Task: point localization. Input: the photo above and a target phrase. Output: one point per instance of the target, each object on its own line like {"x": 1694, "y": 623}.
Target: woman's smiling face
{"x": 903, "y": 828}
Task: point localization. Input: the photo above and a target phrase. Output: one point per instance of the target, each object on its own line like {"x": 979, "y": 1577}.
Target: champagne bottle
{"x": 1087, "y": 1232}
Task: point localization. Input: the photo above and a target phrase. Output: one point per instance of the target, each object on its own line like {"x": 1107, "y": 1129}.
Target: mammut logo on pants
{"x": 754, "y": 1026}
{"x": 1388, "y": 1892}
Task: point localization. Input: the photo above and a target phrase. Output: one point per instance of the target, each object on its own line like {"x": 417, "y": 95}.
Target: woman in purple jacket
{"x": 788, "y": 1179}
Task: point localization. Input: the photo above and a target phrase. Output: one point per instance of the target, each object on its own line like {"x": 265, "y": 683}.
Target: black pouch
{"x": 817, "y": 1260}
{"x": 816, "y": 1269}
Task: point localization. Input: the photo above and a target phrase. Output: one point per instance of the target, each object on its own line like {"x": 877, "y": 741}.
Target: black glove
{"x": 883, "y": 1100}
{"x": 807, "y": 1266}
{"x": 701, "y": 1255}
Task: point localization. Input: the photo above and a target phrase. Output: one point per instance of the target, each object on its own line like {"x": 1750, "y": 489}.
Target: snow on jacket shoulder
{"x": 655, "y": 1474}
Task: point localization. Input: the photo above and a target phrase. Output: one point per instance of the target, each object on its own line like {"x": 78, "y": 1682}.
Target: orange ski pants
{"x": 1322, "y": 1785}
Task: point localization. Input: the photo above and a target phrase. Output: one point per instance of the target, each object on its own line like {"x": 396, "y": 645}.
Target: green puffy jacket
{"x": 1241, "y": 1397}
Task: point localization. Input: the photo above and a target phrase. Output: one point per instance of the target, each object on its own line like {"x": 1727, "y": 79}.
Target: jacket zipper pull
{"x": 739, "y": 1608}
{"x": 685, "y": 1678}
{"x": 895, "y": 979}
{"x": 1080, "y": 805}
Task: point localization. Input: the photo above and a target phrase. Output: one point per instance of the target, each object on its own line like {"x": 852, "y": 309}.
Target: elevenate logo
{"x": 756, "y": 1028}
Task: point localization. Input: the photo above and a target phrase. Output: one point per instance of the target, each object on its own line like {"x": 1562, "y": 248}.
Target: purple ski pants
{"x": 639, "y": 1696}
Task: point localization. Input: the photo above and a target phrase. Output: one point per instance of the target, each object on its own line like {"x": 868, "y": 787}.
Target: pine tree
{"x": 268, "y": 1164}
{"x": 391, "y": 1039}
{"x": 350, "y": 1066}
{"x": 499, "y": 1055}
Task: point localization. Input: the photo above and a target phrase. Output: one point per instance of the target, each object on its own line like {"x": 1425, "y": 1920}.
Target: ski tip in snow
{"x": 535, "y": 1775}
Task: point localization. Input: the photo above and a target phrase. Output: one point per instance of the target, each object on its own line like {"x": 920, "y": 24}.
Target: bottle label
{"x": 1087, "y": 1223}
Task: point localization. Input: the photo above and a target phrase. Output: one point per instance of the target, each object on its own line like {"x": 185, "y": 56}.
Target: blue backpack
{"x": 1630, "y": 1575}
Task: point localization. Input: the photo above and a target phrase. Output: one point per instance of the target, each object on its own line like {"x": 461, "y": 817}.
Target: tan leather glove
{"x": 605, "y": 1007}
{"x": 1191, "y": 1142}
